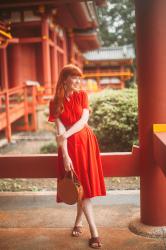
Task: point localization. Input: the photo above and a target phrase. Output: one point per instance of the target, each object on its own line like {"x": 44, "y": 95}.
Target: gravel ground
{"x": 30, "y": 143}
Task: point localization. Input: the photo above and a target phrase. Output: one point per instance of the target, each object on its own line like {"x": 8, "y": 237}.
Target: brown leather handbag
{"x": 69, "y": 188}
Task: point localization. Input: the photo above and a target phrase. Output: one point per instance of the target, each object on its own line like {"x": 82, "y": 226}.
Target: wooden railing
{"x": 15, "y": 103}
{"x": 44, "y": 94}
{"x": 121, "y": 164}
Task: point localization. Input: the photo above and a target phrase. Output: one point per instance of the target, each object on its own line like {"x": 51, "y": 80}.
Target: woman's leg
{"x": 88, "y": 211}
{"x": 78, "y": 221}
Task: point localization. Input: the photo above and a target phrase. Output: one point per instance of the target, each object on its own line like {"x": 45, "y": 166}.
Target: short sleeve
{"x": 85, "y": 101}
{"x": 51, "y": 117}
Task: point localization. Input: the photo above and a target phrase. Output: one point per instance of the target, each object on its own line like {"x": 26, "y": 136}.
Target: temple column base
{"x": 137, "y": 227}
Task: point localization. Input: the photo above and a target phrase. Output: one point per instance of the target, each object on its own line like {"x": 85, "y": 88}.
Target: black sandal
{"x": 95, "y": 240}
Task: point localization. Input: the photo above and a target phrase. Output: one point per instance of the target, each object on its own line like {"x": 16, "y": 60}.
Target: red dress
{"x": 83, "y": 147}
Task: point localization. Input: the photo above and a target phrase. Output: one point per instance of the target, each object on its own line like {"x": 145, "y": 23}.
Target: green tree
{"x": 117, "y": 23}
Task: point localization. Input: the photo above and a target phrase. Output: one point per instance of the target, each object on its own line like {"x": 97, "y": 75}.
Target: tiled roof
{"x": 111, "y": 53}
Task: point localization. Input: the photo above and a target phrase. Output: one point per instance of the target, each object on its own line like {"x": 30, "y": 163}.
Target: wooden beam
{"x": 110, "y": 62}
{"x": 26, "y": 24}
{"x": 51, "y": 43}
{"x": 159, "y": 145}
{"x": 85, "y": 37}
{"x": 122, "y": 164}
{"x": 102, "y": 74}
{"x": 30, "y": 40}
{"x": 13, "y": 40}
{"x": 16, "y": 4}
{"x": 60, "y": 50}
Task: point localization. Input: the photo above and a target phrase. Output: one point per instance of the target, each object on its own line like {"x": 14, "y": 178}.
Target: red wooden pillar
{"x": 64, "y": 48}
{"x": 98, "y": 77}
{"x": 16, "y": 58}
{"x": 26, "y": 121}
{"x": 5, "y": 82}
{"x": 122, "y": 85}
{"x": 46, "y": 55}
{"x": 151, "y": 61}
{"x": 34, "y": 115}
{"x": 54, "y": 63}
{"x": 71, "y": 46}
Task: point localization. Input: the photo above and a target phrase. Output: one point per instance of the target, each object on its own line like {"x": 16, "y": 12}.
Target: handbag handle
{"x": 72, "y": 173}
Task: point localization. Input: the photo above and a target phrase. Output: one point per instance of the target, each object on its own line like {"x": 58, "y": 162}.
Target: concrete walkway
{"x": 34, "y": 221}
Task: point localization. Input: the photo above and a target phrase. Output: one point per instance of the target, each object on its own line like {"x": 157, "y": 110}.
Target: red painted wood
{"x": 8, "y": 125}
{"x": 18, "y": 110}
{"x": 44, "y": 166}
{"x": 70, "y": 38}
{"x": 46, "y": 55}
{"x": 151, "y": 61}
{"x": 29, "y": 3}
{"x": 4, "y": 67}
{"x": 28, "y": 58}
{"x": 76, "y": 16}
{"x": 15, "y": 74}
{"x": 51, "y": 43}
{"x": 28, "y": 62}
{"x": 64, "y": 49}
{"x": 11, "y": 4}
{"x": 159, "y": 146}
{"x": 30, "y": 40}
{"x": 54, "y": 63}
{"x": 121, "y": 164}
{"x": 60, "y": 50}
{"x": 34, "y": 113}
{"x": 81, "y": 17}
{"x": 5, "y": 82}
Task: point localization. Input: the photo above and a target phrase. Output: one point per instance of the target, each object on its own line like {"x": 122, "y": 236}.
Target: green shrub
{"x": 114, "y": 119}
{"x": 49, "y": 148}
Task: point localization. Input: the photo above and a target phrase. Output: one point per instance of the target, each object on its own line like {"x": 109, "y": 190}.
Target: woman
{"x": 77, "y": 145}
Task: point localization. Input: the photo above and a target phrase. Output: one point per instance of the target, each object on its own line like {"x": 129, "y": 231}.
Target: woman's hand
{"x": 68, "y": 165}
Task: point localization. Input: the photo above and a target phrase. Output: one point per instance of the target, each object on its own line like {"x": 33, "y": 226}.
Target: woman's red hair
{"x": 67, "y": 70}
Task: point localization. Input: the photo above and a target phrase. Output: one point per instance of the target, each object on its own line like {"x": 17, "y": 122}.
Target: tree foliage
{"x": 117, "y": 23}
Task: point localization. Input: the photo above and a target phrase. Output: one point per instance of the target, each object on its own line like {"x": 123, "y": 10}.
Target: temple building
{"x": 36, "y": 39}
{"x": 108, "y": 67}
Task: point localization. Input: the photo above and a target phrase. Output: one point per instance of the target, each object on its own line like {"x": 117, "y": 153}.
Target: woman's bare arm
{"x": 60, "y": 127}
{"x": 78, "y": 125}
{"x": 61, "y": 130}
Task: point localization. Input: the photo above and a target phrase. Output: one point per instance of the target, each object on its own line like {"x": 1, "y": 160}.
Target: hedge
{"x": 114, "y": 119}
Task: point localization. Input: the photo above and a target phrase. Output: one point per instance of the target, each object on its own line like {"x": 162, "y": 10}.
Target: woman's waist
{"x": 68, "y": 127}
